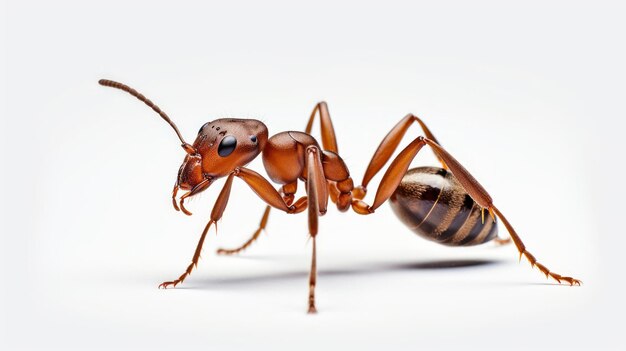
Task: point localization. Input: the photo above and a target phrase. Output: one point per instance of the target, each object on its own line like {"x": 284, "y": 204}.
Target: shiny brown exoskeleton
{"x": 432, "y": 203}
{"x": 446, "y": 205}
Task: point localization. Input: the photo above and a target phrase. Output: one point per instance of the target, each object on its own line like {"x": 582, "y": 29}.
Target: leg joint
{"x": 312, "y": 149}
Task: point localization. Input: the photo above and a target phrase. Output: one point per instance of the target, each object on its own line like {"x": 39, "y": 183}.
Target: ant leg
{"x": 287, "y": 191}
{"x": 255, "y": 236}
{"x": 398, "y": 168}
{"x": 174, "y": 192}
{"x": 216, "y": 214}
{"x": 316, "y": 190}
{"x": 263, "y": 189}
{"x": 267, "y": 193}
{"x": 500, "y": 241}
{"x": 339, "y": 183}
{"x": 329, "y": 140}
{"x": 477, "y": 192}
{"x": 521, "y": 248}
{"x": 391, "y": 178}
{"x": 329, "y": 144}
{"x": 386, "y": 149}
{"x": 333, "y": 191}
{"x": 317, "y": 201}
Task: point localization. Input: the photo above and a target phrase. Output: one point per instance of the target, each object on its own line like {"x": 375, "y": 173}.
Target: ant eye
{"x": 253, "y": 138}
{"x": 227, "y": 146}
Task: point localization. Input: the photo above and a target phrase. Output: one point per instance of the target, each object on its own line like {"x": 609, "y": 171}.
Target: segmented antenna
{"x": 138, "y": 95}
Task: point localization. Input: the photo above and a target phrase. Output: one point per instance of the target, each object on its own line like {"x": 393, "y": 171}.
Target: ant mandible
{"x": 445, "y": 205}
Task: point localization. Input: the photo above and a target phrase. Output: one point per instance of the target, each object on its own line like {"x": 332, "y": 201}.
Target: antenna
{"x": 138, "y": 95}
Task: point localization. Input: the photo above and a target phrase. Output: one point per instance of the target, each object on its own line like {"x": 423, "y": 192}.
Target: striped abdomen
{"x": 431, "y": 202}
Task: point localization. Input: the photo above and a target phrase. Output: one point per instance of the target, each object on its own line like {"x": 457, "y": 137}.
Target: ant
{"x": 446, "y": 205}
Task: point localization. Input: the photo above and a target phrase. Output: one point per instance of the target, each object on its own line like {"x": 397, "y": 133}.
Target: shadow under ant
{"x": 448, "y": 264}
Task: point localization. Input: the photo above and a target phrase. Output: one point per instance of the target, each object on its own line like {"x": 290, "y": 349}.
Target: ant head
{"x": 221, "y": 146}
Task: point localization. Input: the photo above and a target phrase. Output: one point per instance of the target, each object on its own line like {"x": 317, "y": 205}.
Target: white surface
{"x": 530, "y": 98}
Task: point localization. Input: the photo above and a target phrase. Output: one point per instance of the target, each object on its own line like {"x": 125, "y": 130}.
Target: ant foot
{"x": 165, "y": 285}
{"x": 571, "y": 281}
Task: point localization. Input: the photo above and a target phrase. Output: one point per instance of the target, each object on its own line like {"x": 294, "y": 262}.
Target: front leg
{"x": 216, "y": 214}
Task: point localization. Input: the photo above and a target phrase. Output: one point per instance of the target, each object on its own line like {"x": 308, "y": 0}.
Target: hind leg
{"x": 398, "y": 169}
{"x": 387, "y": 147}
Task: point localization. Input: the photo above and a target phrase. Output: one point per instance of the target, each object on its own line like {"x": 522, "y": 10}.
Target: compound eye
{"x": 227, "y": 146}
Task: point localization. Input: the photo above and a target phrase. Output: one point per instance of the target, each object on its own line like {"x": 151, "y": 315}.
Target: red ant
{"x": 440, "y": 204}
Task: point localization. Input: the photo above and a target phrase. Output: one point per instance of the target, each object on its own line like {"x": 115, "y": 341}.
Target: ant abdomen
{"x": 432, "y": 203}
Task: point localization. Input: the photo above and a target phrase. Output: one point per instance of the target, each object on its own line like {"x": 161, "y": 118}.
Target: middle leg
{"x": 316, "y": 191}
{"x": 329, "y": 143}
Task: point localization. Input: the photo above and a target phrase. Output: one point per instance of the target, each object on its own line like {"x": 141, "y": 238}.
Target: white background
{"x": 529, "y": 97}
